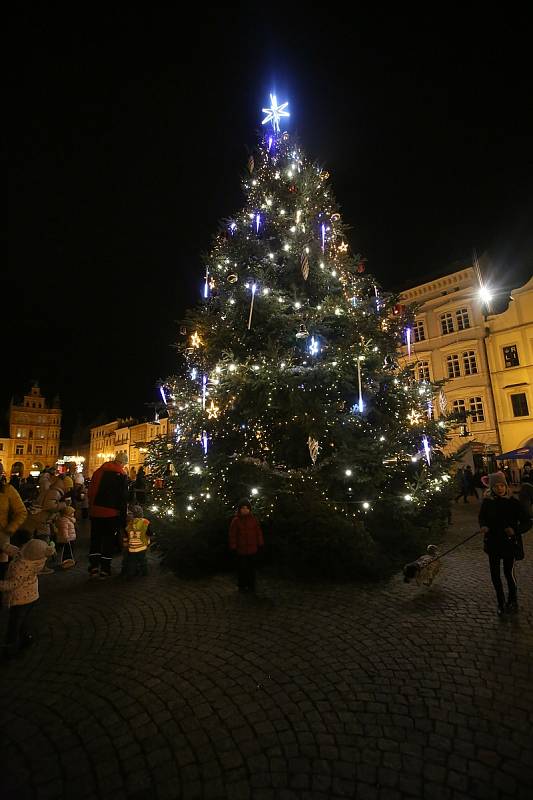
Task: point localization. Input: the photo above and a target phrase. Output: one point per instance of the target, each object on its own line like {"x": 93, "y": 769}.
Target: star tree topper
{"x": 275, "y": 112}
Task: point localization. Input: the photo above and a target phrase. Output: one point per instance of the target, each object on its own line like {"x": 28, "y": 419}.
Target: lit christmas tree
{"x": 290, "y": 391}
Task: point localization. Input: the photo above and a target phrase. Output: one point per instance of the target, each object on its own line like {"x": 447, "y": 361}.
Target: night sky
{"x": 129, "y": 136}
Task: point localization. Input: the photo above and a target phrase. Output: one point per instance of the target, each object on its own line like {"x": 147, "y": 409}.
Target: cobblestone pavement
{"x": 167, "y": 689}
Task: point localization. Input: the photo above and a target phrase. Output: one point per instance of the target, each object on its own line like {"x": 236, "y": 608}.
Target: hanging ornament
{"x": 204, "y": 390}
{"x": 430, "y": 408}
{"x": 232, "y": 278}
{"x": 323, "y": 236}
{"x": 251, "y": 164}
{"x": 361, "y": 267}
{"x": 408, "y": 340}
{"x": 304, "y": 261}
{"x": 293, "y": 189}
{"x": 414, "y": 417}
{"x": 302, "y": 332}
{"x": 206, "y": 284}
{"x": 313, "y": 449}
{"x": 335, "y": 217}
{"x": 232, "y": 227}
{"x": 360, "y": 384}
{"x": 343, "y": 247}
{"x": 254, "y": 289}
{"x": 427, "y": 449}
{"x": 183, "y": 330}
{"x": 443, "y": 401}
{"x": 163, "y": 395}
{"x": 204, "y": 442}
{"x": 314, "y": 347}
{"x": 398, "y": 309}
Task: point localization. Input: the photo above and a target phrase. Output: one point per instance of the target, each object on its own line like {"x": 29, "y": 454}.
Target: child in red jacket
{"x": 245, "y": 538}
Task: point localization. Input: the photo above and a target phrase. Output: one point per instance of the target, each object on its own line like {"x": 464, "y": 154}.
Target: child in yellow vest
{"x": 135, "y": 543}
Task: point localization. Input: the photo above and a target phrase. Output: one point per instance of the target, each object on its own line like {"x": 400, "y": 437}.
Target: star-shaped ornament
{"x": 212, "y": 410}
{"x": 275, "y": 113}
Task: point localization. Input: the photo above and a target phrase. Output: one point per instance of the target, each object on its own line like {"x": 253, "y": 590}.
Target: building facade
{"x": 448, "y": 343}
{"x": 510, "y": 353}
{"x": 34, "y": 435}
{"x": 123, "y": 436}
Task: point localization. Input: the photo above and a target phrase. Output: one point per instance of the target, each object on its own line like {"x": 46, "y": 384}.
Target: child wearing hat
{"x": 135, "y": 543}
{"x": 502, "y": 521}
{"x": 66, "y": 534}
{"x": 21, "y": 588}
{"x": 245, "y": 539}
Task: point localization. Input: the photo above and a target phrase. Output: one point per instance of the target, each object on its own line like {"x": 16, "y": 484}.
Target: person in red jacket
{"x": 108, "y": 503}
{"x": 245, "y": 538}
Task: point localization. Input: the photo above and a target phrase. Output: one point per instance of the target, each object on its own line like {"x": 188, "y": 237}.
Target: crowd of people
{"x": 39, "y": 528}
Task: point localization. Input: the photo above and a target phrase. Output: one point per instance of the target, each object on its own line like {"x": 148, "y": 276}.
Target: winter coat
{"x": 12, "y": 513}
{"x": 21, "y": 585}
{"x": 245, "y": 535}
{"x": 108, "y": 492}
{"x": 45, "y": 479}
{"x": 65, "y": 529}
{"x": 137, "y": 536}
{"x": 496, "y": 514}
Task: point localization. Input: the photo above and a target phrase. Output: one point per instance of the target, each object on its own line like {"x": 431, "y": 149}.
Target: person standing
{"x": 12, "y": 515}
{"x": 245, "y": 538}
{"x": 502, "y": 520}
{"x": 108, "y": 502}
{"x": 140, "y": 487}
{"x": 136, "y": 542}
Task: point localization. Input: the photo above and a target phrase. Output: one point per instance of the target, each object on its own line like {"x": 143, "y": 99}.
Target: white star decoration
{"x": 275, "y": 112}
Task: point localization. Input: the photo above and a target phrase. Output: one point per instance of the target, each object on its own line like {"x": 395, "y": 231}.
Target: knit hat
{"x": 36, "y": 550}
{"x": 121, "y": 458}
{"x": 137, "y": 511}
{"x": 244, "y": 502}
{"x": 492, "y": 479}
{"x": 69, "y": 511}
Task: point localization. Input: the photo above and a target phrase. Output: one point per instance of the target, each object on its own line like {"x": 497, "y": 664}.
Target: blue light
{"x": 194, "y": 373}
{"x": 204, "y": 442}
{"x": 275, "y": 113}
{"x": 257, "y": 222}
{"x": 163, "y": 395}
{"x": 314, "y": 347}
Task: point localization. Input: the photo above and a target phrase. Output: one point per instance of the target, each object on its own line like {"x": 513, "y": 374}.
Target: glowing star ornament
{"x": 414, "y": 417}
{"x": 196, "y": 341}
{"x": 275, "y": 113}
{"x": 212, "y": 410}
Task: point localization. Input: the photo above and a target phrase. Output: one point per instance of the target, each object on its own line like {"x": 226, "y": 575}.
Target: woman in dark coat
{"x": 503, "y": 521}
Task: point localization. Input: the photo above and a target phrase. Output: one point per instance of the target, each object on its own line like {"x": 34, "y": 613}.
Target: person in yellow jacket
{"x": 135, "y": 543}
{"x": 12, "y": 515}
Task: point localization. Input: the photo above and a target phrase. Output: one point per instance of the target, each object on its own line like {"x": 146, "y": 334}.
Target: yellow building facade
{"x": 510, "y": 353}
{"x": 448, "y": 343}
{"x": 123, "y": 436}
{"x": 34, "y": 435}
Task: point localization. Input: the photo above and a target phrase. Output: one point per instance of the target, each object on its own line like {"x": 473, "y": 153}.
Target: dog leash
{"x": 436, "y": 558}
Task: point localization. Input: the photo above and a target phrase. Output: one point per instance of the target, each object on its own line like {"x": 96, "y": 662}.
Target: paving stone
{"x": 311, "y": 692}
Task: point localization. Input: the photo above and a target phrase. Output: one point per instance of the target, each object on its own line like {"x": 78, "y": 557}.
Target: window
{"x": 29, "y": 448}
{"x": 469, "y": 362}
{"x": 459, "y": 408}
{"x": 38, "y": 450}
{"x": 510, "y": 356}
{"x": 1, "y": 445}
{"x": 423, "y": 371}
{"x": 463, "y": 320}
{"x": 520, "y": 408}
{"x": 419, "y": 331}
{"x": 19, "y": 450}
{"x": 453, "y": 366}
{"x": 476, "y": 409}
{"x": 446, "y": 323}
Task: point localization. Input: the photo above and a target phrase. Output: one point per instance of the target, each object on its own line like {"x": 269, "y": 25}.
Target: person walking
{"x": 502, "y": 521}
{"x": 462, "y": 484}
{"x": 108, "y": 502}
{"x": 12, "y": 515}
{"x": 525, "y": 495}
{"x": 470, "y": 482}
{"x": 245, "y": 539}
{"x": 136, "y": 542}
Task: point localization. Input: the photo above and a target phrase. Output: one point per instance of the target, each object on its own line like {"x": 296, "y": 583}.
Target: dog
{"x": 425, "y": 569}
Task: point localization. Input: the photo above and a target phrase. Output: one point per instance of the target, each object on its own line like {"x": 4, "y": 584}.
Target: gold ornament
{"x": 251, "y": 164}
{"x": 302, "y": 332}
{"x": 232, "y": 278}
{"x": 304, "y": 260}
{"x": 313, "y": 449}
{"x": 343, "y": 247}
{"x": 212, "y": 410}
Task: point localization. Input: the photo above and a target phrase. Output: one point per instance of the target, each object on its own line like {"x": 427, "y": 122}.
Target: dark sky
{"x": 128, "y": 135}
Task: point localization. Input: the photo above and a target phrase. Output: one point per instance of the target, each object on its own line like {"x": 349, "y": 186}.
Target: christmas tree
{"x": 290, "y": 391}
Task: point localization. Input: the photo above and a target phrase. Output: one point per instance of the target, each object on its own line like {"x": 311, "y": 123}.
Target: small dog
{"x": 425, "y": 569}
